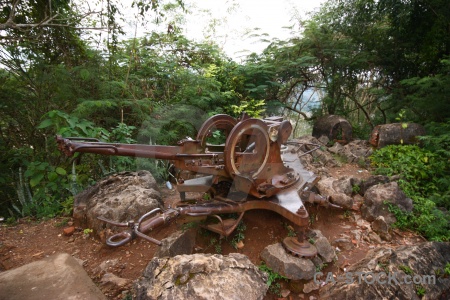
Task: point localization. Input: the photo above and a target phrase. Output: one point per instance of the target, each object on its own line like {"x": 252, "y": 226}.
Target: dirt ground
{"x": 30, "y": 240}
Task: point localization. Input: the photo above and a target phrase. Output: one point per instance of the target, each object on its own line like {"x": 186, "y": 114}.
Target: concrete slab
{"x": 58, "y": 277}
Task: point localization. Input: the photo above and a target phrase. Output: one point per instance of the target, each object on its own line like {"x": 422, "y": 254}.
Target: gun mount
{"x": 257, "y": 165}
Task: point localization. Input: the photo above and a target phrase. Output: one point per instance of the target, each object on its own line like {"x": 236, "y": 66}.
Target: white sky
{"x": 238, "y": 17}
{"x": 235, "y": 22}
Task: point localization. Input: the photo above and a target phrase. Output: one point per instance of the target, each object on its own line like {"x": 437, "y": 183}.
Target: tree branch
{"x": 299, "y": 112}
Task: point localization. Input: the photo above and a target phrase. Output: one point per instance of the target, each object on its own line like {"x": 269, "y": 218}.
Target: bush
{"x": 422, "y": 175}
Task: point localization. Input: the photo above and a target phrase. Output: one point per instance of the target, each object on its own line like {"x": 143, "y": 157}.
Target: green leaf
{"x": 46, "y": 123}
{"x": 52, "y": 176}
{"x": 84, "y": 74}
{"x": 42, "y": 166}
{"x": 36, "y": 179}
{"x": 60, "y": 171}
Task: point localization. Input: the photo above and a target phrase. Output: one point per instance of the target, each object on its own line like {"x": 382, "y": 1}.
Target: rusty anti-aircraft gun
{"x": 257, "y": 165}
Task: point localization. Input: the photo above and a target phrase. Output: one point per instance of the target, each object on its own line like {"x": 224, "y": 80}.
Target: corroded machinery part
{"x": 223, "y": 123}
{"x": 300, "y": 249}
{"x": 247, "y": 148}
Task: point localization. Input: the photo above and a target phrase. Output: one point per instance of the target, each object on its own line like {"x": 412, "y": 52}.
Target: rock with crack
{"x": 336, "y": 190}
{"x": 371, "y": 181}
{"x": 317, "y": 158}
{"x": 357, "y": 151}
{"x": 374, "y": 202}
{"x": 291, "y": 267}
{"x": 405, "y": 273}
{"x": 343, "y": 243}
{"x": 110, "y": 281}
{"x": 120, "y": 197}
{"x": 381, "y": 228}
{"x": 323, "y": 246}
{"x": 179, "y": 242}
{"x": 201, "y": 276}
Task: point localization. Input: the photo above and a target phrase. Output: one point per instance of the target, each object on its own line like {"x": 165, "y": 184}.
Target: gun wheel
{"x": 215, "y": 130}
{"x": 299, "y": 249}
{"x": 247, "y": 148}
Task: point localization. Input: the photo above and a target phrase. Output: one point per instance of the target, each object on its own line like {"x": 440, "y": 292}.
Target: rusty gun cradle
{"x": 258, "y": 165}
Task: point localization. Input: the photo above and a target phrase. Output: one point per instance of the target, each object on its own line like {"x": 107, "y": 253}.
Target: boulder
{"x": 381, "y": 228}
{"x": 346, "y": 185}
{"x": 281, "y": 262}
{"x": 375, "y": 198}
{"x": 408, "y": 272}
{"x": 317, "y": 158}
{"x": 357, "y": 151}
{"x": 179, "y": 242}
{"x": 201, "y": 276}
{"x": 343, "y": 244}
{"x": 371, "y": 181}
{"x": 337, "y": 191}
{"x": 324, "y": 249}
{"x": 120, "y": 197}
{"x": 58, "y": 277}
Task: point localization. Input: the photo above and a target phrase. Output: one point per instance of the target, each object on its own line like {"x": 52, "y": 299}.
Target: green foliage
{"x": 239, "y": 235}
{"x": 87, "y": 231}
{"x": 447, "y": 268}
{"x": 419, "y": 168}
{"x": 421, "y": 174}
{"x": 290, "y": 229}
{"x": 406, "y": 269}
{"x": 272, "y": 280}
{"x": 321, "y": 267}
{"x": 420, "y": 290}
{"x": 253, "y": 108}
{"x": 355, "y": 189}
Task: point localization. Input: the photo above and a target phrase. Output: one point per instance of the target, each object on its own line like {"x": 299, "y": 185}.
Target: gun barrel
{"x": 69, "y": 147}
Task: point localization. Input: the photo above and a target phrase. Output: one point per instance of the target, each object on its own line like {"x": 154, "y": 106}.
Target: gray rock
{"x": 121, "y": 197}
{"x": 344, "y": 201}
{"x": 314, "y": 233}
{"x": 310, "y": 286}
{"x": 324, "y": 249}
{"x": 371, "y": 181}
{"x": 317, "y": 261}
{"x": 336, "y": 189}
{"x": 374, "y": 238}
{"x": 424, "y": 261}
{"x": 325, "y": 186}
{"x": 358, "y": 151}
{"x": 320, "y": 157}
{"x": 111, "y": 281}
{"x": 291, "y": 267}
{"x": 177, "y": 243}
{"x": 343, "y": 243}
{"x": 58, "y": 277}
{"x": 106, "y": 265}
{"x": 324, "y": 140}
{"x": 201, "y": 276}
{"x": 356, "y": 234}
{"x": 375, "y": 197}
{"x": 381, "y": 228}
{"x": 336, "y": 148}
{"x": 344, "y": 185}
